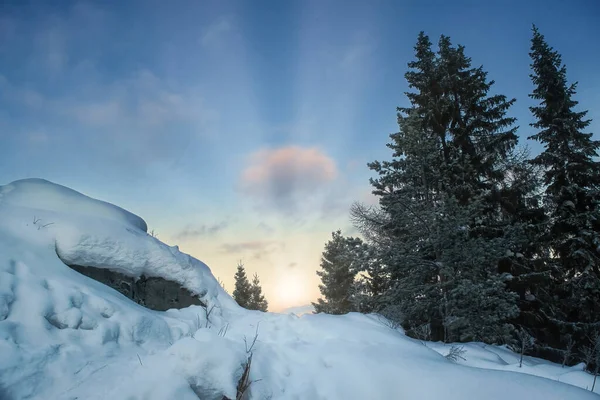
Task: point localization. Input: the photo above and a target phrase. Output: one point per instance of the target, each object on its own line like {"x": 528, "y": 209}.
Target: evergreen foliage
{"x": 257, "y": 299}
{"x": 572, "y": 195}
{"x": 437, "y": 195}
{"x": 242, "y": 292}
{"x": 338, "y": 270}
{"x": 472, "y": 239}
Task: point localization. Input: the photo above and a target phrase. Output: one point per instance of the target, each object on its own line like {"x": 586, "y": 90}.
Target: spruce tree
{"x": 441, "y": 222}
{"x": 338, "y": 270}
{"x": 572, "y": 179}
{"x": 242, "y": 293}
{"x": 372, "y": 279}
{"x": 257, "y": 299}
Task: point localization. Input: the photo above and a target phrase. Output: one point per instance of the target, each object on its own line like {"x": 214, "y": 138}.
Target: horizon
{"x": 242, "y": 132}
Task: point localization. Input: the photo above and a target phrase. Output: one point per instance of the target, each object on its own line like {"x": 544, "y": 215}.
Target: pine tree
{"x": 338, "y": 270}
{"x": 572, "y": 179}
{"x": 438, "y": 195}
{"x": 257, "y": 299}
{"x": 372, "y": 280}
{"x": 242, "y": 293}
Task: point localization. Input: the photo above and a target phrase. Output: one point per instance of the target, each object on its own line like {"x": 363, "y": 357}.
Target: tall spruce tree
{"x": 338, "y": 270}
{"x": 242, "y": 292}
{"x": 444, "y": 237}
{"x": 572, "y": 179}
{"x": 257, "y": 299}
{"x": 372, "y": 279}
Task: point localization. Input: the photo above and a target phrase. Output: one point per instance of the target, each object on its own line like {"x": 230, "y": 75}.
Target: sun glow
{"x": 291, "y": 290}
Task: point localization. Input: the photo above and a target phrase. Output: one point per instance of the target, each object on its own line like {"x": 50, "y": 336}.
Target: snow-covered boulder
{"x": 42, "y": 195}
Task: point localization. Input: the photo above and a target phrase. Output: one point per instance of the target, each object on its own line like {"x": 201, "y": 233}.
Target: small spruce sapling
{"x": 423, "y": 333}
{"x": 568, "y": 351}
{"x": 456, "y": 352}
{"x": 591, "y": 356}
{"x": 524, "y": 342}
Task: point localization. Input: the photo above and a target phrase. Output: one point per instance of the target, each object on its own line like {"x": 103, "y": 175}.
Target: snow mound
{"x": 44, "y": 195}
{"x": 299, "y": 310}
{"x": 91, "y": 233}
{"x": 66, "y": 336}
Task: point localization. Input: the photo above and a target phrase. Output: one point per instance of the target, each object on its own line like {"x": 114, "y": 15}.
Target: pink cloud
{"x": 284, "y": 175}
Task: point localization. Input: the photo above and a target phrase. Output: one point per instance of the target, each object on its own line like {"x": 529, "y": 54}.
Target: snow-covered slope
{"x": 300, "y": 310}
{"x": 65, "y": 336}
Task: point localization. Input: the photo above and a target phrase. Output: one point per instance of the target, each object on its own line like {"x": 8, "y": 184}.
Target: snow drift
{"x": 66, "y": 336}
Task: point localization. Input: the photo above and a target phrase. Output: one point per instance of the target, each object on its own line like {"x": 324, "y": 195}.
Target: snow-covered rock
{"x": 40, "y": 194}
{"x": 66, "y": 336}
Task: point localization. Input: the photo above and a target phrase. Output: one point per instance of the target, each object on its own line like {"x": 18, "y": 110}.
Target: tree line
{"x": 473, "y": 239}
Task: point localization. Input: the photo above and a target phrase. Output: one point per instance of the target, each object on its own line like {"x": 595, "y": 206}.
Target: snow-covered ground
{"x": 299, "y": 310}
{"x": 65, "y": 336}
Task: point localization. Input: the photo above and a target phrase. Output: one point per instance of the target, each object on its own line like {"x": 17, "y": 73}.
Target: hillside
{"x": 66, "y": 336}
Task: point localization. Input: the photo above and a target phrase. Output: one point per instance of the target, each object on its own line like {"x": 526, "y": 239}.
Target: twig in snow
{"x": 249, "y": 349}
{"x": 223, "y": 330}
{"x": 208, "y": 311}
{"x": 43, "y": 226}
{"x": 456, "y": 352}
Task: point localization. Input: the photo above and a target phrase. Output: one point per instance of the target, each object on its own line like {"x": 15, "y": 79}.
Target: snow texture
{"x": 65, "y": 336}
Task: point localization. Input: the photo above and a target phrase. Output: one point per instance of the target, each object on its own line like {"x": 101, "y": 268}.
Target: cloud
{"x": 37, "y": 138}
{"x": 20, "y": 95}
{"x": 358, "y": 51}
{"x": 257, "y": 248}
{"x": 266, "y": 228}
{"x": 140, "y": 101}
{"x": 101, "y": 113}
{"x": 283, "y": 177}
{"x": 192, "y": 232}
{"x": 152, "y": 119}
{"x": 216, "y": 31}
{"x": 51, "y": 47}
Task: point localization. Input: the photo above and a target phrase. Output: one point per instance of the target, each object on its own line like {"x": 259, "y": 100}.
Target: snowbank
{"x": 39, "y": 194}
{"x": 65, "y": 336}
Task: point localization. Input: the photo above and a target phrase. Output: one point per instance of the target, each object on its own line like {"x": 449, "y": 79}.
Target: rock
{"x": 154, "y": 293}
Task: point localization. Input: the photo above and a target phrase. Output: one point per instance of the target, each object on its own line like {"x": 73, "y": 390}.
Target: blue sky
{"x": 241, "y": 129}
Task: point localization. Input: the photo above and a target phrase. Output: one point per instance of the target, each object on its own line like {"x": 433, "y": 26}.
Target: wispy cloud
{"x": 216, "y": 31}
{"x": 37, "y": 138}
{"x": 256, "y": 249}
{"x": 193, "y": 232}
{"x": 283, "y": 177}
{"x": 51, "y": 48}
{"x": 141, "y": 100}
{"x": 268, "y": 229}
{"x": 150, "y": 118}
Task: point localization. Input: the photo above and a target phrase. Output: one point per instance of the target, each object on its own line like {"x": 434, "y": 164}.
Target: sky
{"x": 241, "y": 130}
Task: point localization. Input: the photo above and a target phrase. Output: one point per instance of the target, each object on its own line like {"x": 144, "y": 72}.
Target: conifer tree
{"x": 257, "y": 299}
{"x": 338, "y": 270}
{"x": 372, "y": 279}
{"x": 242, "y": 292}
{"x": 572, "y": 179}
{"x": 444, "y": 236}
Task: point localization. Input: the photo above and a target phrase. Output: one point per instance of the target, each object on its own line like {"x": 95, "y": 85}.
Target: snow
{"x": 41, "y": 194}
{"x": 65, "y": 336}
{"x": 299, "y": 310}
{"x": 481, "y": 355}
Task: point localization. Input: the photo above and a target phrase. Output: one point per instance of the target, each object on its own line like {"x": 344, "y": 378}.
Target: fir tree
{"x": 440, "y": 223}
{"x": 242, "y": 293}
{"x": 572, "y": 179}
{"x": 257, "y": 299}
{"x": 372, "y": 281}
{"x": 338, "y": 270}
